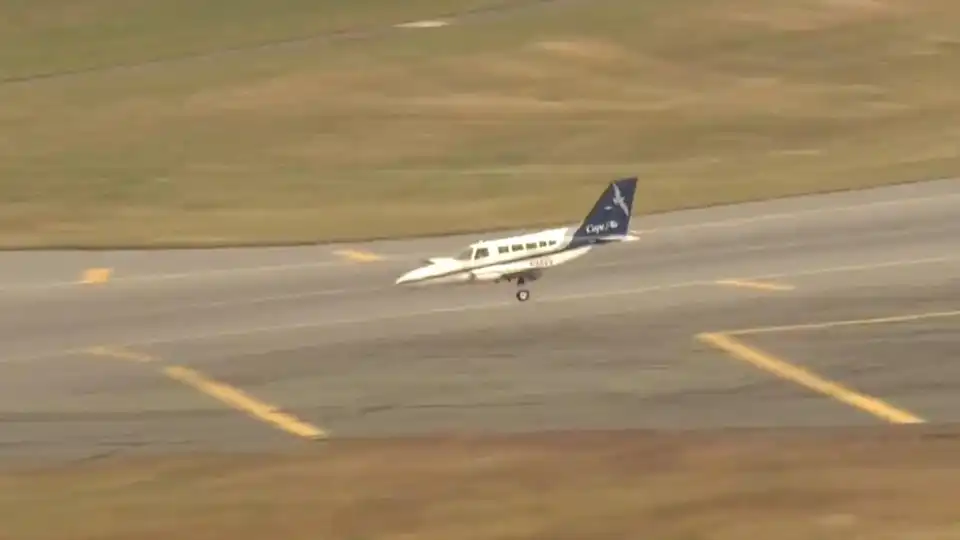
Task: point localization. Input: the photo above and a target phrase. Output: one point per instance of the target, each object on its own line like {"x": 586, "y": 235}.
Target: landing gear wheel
{"x": 523, "y": 295}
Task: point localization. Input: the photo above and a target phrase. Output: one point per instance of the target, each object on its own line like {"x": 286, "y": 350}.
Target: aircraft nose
{"x": 414, "y": 276}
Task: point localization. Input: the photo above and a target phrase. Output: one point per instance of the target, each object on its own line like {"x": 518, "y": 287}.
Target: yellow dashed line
{"x": 234, "y": 397}
{"x": 239, "y": 400}
{"x": 358, "y": 255}
{"x": 790, "y": 372}
{"x": 848, "y": 322}
{"x": 97, "y": 275}
{"x": 753, "y": 284}
{"x": 120, "y": 354}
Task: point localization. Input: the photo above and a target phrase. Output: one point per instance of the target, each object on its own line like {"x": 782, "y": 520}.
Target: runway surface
{"x": 269, "y": 349}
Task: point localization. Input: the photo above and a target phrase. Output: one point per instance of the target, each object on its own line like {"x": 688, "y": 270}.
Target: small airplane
{"x": 524, "y": 257}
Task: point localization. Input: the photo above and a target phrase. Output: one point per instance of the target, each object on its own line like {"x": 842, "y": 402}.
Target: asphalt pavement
{"x": 830, "y": 310}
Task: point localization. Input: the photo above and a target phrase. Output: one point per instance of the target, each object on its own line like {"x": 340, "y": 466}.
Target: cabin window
{"x": 516, "y": 247}
{"x": 481, "y": 253}
{"x": 552, "y": 242}
{"x": 543, "y": 243}
{"x": 532, "y": 245}
{"x": 503, "y": 249}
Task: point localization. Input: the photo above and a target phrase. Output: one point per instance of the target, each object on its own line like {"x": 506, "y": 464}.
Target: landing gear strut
{"x": 522, "y": 294}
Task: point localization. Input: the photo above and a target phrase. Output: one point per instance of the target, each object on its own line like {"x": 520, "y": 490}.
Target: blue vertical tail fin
{"x": 609, "y": 219}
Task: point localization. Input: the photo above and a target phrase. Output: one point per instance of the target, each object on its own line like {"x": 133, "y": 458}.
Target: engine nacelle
{"x": 485, "y": 277}
{"x": 496, "y": 276}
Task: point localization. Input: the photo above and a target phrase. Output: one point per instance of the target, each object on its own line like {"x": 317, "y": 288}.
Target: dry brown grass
{"x": 488, "y": 123}
{"x": 877, "y": 483}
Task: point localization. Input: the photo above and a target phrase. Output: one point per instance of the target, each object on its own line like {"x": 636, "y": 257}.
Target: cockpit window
{"x": 465, "y": 255}
{"x": 481, "y": 253}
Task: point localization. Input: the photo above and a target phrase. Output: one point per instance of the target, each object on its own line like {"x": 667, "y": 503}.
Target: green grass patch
{"x": 499, "y": 120}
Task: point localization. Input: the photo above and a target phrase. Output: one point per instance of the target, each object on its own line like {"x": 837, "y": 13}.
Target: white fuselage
{"x": 525, "y": 257}
{"x": 503, "y": 258}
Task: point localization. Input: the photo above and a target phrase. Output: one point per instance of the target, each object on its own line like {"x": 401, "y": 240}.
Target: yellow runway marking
{"x": 754, "y": 284}
{"x": 847, "y": 322}
{"x": 358, "y": 255}
{"x": 121, "y": 354}
{"x": 808, "y": 379}
{"x": 234, "y": 397}
{"x": 238, "y": 399}
{"x": 97, "y": 275}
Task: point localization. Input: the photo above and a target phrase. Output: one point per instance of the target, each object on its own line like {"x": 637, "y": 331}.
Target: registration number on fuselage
{"x": 541, "y": 263}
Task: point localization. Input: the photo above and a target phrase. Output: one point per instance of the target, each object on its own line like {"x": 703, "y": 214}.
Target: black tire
{"x": 523, "y": 295}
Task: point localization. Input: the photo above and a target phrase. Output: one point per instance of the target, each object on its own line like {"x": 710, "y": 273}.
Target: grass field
{"x": 869, "y": 483}
{"x": 250, "y": 121}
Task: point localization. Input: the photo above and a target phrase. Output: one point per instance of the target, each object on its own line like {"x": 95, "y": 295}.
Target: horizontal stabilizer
{"x": 618, "y": 238}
